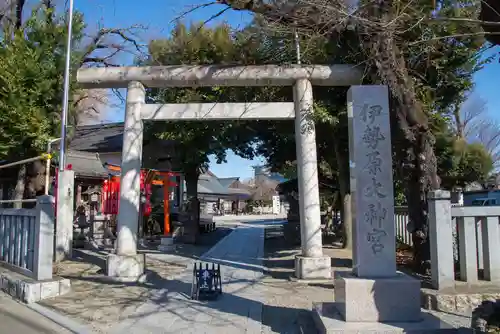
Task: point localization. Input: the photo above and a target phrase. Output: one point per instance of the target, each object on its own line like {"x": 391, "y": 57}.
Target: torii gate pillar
{"x": 311, "y": 264}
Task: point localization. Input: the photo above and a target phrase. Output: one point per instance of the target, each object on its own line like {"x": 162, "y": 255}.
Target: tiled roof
{"x": 241, "y": 193}
{"x": 208, "y": 184}
{"x": 228, "y": 181}
{"x": 265, "y": 190}
{"x": 105, "y": 138}
{"x": 102, "y": 138}
{"x": 86, "y": 164}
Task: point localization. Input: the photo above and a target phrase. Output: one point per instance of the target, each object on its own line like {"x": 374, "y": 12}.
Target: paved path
{"x": 16, "y": 318}
{"x": 238, "y": 310}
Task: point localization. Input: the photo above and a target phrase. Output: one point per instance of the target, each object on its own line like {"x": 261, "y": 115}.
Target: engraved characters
{"x": 374, "y": 191}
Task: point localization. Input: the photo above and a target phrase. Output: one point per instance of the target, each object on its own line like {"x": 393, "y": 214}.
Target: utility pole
{"x": 66, "y": 178}
{"x": 64, "y": 115}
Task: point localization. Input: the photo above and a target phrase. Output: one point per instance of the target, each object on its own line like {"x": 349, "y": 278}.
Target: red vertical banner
{"x": 147, "y": 206}
{"x": 146, "y": 192}
{"x": 104, "y": 196}
{"x": 115, "y": 195}
{"x": 111, "y": 195}
{"x": 166, "y": 202}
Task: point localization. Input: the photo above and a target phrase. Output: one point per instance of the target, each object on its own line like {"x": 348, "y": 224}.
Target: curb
{"x": 60, "y": 319}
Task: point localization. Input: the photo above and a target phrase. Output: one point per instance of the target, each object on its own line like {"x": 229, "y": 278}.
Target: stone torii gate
{"x": 374, "y": 294}
{"x": 126, "y": 264}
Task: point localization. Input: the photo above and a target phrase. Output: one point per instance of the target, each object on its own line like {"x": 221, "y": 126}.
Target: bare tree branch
{"x": 92, "y": 106}
{"x": 126, "y": 42}
{"x": 6, "y": 12}
{"x": 472, "y": 113}
{"x": 479, "y": 127}
{"x": 193, "y": 9}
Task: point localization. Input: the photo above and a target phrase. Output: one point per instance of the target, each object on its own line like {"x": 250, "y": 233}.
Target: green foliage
{"x": 277, "y": 139}
{"x": 195, "y": 141}
{"x": 460, "y": 163}
{"x": 442, "y": 67}
{"x": 443, "y": 55}
{"x": 31, "y": 77}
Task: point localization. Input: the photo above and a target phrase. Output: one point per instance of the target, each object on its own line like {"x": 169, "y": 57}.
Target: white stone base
{"x": 126, "y": 268}
{"x": 29, "y": 291}
{"x": 167, "y": 244}
{"x": 394, "y": 299}
{"x": 307, "y": 268}
{"x": 328, "y": 320}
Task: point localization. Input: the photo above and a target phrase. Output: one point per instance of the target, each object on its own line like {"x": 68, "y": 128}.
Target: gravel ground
{"x": 288, "y": 308}
{"x": 100, "y": 304}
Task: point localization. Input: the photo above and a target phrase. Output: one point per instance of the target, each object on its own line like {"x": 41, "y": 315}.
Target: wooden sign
{"x": 207, "y": 282}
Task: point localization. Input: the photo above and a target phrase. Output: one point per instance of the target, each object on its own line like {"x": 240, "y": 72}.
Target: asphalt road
{"x": 16, "y": 318}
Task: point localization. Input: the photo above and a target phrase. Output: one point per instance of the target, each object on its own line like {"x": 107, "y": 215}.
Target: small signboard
{"x": 276, "y": 205}
{"x": 207, "y": 283}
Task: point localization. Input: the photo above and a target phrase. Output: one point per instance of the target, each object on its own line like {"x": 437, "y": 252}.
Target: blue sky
{"x": 158, "y": 16}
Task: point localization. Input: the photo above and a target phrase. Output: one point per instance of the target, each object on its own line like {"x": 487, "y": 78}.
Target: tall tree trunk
{"x": 341, "y": 154}
{"x": 383, "y": 50}
{"x": 329, "y": 203}
{"x": 412, "y": 120}
{"x": 192, "y": 229}
{"x": 191, "y": 178}
{"x": 458, "y": 121}
{"x": 423, "y": 178}
{"x": 347, "y": 241}
{"x": 19, "y": 13}
{"x": 20, "y": 186}
{"x": 5, "y": 193}
{"x": 35, "y": 180}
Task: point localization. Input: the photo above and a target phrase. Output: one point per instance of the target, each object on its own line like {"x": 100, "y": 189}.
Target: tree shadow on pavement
{"x": 160, "y": 300}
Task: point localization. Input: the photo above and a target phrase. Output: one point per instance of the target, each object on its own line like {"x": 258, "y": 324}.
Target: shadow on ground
{"x": 279, "y": 262}
{"x": 285, "y": 307}
{"x": 104, "y": 304}
{"x": 279, "y": 259}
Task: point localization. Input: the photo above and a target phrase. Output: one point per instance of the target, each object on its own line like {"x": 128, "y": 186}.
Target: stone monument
{"x": 289, "y": 190}
{"x": 374, "y": 294}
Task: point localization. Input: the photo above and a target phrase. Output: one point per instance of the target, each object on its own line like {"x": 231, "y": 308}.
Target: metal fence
{"x": 17, "y": 238}
{"x": 27, "y": 239}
